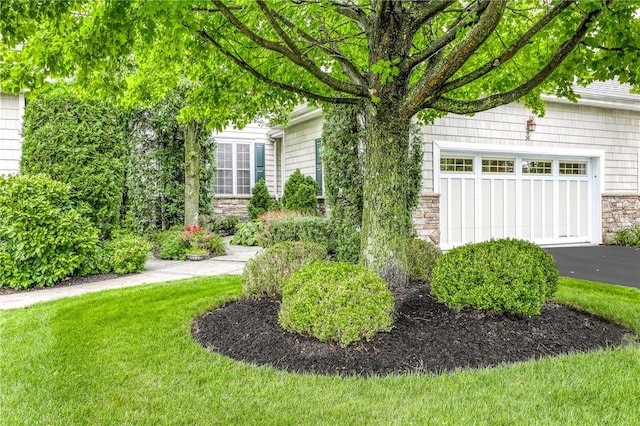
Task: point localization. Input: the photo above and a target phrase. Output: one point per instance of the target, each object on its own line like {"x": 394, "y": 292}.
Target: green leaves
{"x": 386, "y": 70}
{"x": 43, "y": 237}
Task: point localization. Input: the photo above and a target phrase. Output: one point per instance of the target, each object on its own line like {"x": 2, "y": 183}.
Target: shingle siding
{"x": 10, "y": 137}
{"x": 300, "y": 147}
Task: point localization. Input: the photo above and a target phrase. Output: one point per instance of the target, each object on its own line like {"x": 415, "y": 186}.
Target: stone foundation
{"x": 426, "y": 218}
{"x": 619, "y": 211}
{"x": 232, "y": 206}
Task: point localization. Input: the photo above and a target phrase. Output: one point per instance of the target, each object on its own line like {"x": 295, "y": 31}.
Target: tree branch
{"x": 509, "y": 53}
{"x": 421, "y": 12}
{"x": 446, "y": 38}
{"x": 294, "y": 56}
{"x": 462, "y": 107}
{"x": 257, "y": 74}
{"x": 444, "y": 69}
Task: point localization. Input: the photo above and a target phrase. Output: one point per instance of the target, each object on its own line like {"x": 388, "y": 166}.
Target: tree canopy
{"x": 396, "y": 59}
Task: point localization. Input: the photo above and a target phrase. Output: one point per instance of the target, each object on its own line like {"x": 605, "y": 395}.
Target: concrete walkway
{"x": 156, "y": 271}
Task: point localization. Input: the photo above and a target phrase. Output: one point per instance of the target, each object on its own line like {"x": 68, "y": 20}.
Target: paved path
{"x": 606, "y": 264}
{"x": 157, "y": 271}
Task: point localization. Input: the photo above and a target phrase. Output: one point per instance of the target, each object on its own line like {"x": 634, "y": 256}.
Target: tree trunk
{"x": 385, "y": 222}
{"x": 191, "y": 173}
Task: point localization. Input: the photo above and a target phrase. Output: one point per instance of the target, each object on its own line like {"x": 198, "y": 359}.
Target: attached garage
{"x": 548, "y": 196}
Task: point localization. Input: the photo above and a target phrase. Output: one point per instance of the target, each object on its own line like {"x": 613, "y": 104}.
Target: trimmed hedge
{"x": 506, "y": 275}
{"x": 44, "y": 236}
{"x": 265, "y": 274}
{"x": 298, "y": 228}
{"x": 336, "y": 301}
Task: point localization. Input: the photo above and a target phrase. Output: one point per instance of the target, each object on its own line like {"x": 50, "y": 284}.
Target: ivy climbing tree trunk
{"x": 385, "y": 223}
{"x": 191, "y": 173}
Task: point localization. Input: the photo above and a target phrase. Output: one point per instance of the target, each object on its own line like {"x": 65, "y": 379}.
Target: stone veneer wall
{"x": 426, "y": 218}
{"x": 232, "y": 206}
{"x": 619, "y": 211}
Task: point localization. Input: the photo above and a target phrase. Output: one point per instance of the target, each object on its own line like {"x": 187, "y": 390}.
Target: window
{"x": 567, "y": 168}
{"x": 450, "y": 164}
{"x": 233, "y": 174}
{"x": 497, "y": 166}
{"x": 536, "y": 167}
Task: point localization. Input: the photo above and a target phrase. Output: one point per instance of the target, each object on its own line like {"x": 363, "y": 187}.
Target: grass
{"x": 127, "y": 357}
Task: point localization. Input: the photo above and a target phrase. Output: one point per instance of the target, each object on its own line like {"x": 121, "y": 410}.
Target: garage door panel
{"x": 544, "y": 204}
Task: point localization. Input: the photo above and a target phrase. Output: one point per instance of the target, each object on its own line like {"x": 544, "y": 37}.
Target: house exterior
{"x": 11, "y": 112}
{"x": 574, "y": 179}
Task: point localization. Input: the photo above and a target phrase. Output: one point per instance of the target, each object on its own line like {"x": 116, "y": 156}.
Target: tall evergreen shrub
{"x": 300, "y": 193}
{"x": 81, "y": 143}
{"x": 260, "y": 200}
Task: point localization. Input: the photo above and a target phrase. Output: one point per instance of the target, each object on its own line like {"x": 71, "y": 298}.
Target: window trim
{"x": 234, "y": 154}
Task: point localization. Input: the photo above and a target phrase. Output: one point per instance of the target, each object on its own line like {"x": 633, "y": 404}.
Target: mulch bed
{"x": 427, "y": 337}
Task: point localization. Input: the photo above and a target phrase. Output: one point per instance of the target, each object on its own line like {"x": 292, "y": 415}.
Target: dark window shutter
{"x": 259, "y": 162}
{"x": 319, "y": 165}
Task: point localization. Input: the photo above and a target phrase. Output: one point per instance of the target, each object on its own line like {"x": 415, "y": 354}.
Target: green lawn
{"x": 126, "y": 357}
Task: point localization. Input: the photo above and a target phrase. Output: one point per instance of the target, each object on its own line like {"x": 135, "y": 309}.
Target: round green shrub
{"x": 421, "y": 258}
{"x": 336, "y": 301}
{"x": 43, "y": 235}
{"x": 505, "y": 275}
{"x": 129, "y": 253}
{"x": 265, "y": 274}
{"x": 295, "y": 228}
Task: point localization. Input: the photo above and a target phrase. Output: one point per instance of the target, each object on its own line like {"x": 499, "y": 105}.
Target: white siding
{"x": 11, "y": 110}
{"x": 616, "y": 132}
{"x": 253, "y": 133}
{"x": 300, "y": 147}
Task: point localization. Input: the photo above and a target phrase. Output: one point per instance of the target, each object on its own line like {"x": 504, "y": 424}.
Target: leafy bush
{"x": 246, "y": 235}
{"x": 223, "y": 226}
{"x": 627, "y": 237}
{"x": 421, "y": 258}
{"x": 297, "y": 228}
{"x": 43, "y": 235}
{"x": 171, "y": 246}
{"x": 498, "y": 276}
{"x": 129, "y": 253}
{"x": 344, "y": 241}
{"x": 81, "y": 143}
{"x": 202, "y": 239}
{"x": 300, "y": 193}
{"x": 266, "y": 273}
{"x": 260, "y": 200}
{"x": 336, "y": 301}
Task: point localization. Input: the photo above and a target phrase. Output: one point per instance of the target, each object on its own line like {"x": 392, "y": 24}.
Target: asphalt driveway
{"x": 607, "y": 264}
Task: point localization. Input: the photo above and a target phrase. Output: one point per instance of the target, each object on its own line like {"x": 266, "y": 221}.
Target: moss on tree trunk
{"x": 385, "y": 223}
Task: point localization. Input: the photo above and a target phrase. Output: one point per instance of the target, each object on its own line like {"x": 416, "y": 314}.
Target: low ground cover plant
{"x": 336, "y": 301}
{"x": 506, "y": 275}
{"x": 265, "y": 274}
{"x": 246, "y": 234}
{"x": 627, "y": 237}
{"x": 175, "y": 244}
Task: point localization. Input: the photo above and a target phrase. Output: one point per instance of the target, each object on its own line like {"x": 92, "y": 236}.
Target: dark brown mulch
{"x": 427, "y": 337}
{"x": 67, "y": 282}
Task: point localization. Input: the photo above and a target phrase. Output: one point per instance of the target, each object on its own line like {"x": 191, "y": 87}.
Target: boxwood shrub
{"x": 265, "y": 274}
{"x": 44, "y": 236}
{"x": 336, "y": 301}
{"x": 506, "y": 275}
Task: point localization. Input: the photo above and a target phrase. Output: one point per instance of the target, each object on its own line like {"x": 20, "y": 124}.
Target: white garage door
{"x": 544, "y": 199}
